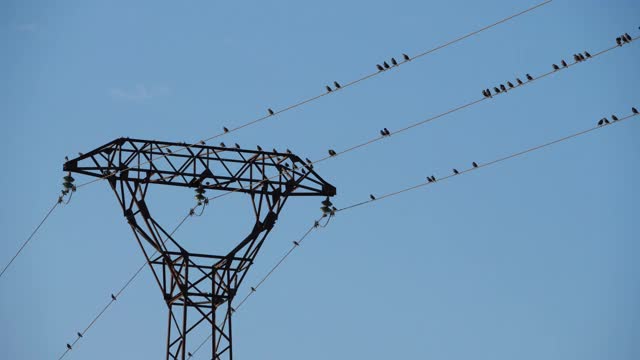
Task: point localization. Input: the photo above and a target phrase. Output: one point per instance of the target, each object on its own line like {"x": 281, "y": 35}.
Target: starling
{"x": 576, "y": 58}
{"x": 406, "y": 57}
{"x": 394, "y": 62}
{"x": 372, "y": 197}
{"x": 270, "y": 111}
{"x": 189, "y": 354}
{"x": 79, "y": 335}
{"x": 386, "y": 66}
{"x": 253, "y": 289}
{"x": 382, "y": 133}
{"x": 296, "y": 243}
{"x": 488, "y": 92}
{"x": 615, "y": 118}
{"x": 113, "y": 297}
{"x": 456, "y": 171}
{"x": 259, "y": 148}
{"x": 582, "y": 58}
{"x": 484, "y": 92}
{"x": 237, "y": 146}
{"x": 433, "y": 178}
{"x": 387, "y": 132}
{"x": 274, "y": 150}
{"x": 475, "y": 165}
{"x": 619, "y": 41}
{"x": 606, "y": 121}
{"x": 69, "y": 346}
{"x": 496, "y": 90}
{"x": 519, "y": 81}
{"x": 601, "y": 122}
{"x": 337, "y": 85}
{"x": 222, "y": 144}
{"x": 556, "y": 67}
{"x": 634, "y": 110}
{"x": 332, "y": 152}
{"x": 225, "y": 129}
{"x": 328, "y": 88}
{"x": 380, "y": 68}
{"x": 628, "y": 37}
{"x": 308, "y": 160}
{"x": 586, "y": 53}
{"x": 429, "y": 179}
{"x": 529, "y": 77}
{"x": 289, "y": 151}
{"x": 502, "y": 87}
{"x": 564, "y": 63}
{"x": 510, "y": 84}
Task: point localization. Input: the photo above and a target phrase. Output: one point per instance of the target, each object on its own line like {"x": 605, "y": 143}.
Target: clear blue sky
{"x": 531, "y": 259}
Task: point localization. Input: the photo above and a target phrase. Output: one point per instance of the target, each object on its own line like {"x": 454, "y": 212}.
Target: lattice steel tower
{"x": 199, "y": 288}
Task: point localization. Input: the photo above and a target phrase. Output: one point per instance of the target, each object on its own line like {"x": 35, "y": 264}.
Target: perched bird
{"x": 225, "y": 129}
{"x": 380, "y": 68}
{"x": 274, "y": 150}
{"x": 69, "y": 346}
{"x": 289, "y": 151}
{"x": 502, "y": 87}
{"x": 601, "y": 122}
{"x": 519, "y": 81}
{"x": 619, "y": 40}
{"x": 456, "y": 171}
{"x": 628, "y": 37}
{"x": 406, "y": 57}
{"x": 624, "y": 39}
{"x": 576, "y": 58}
{"x": 189, "y": 354}
{"x": 475, "y": 165}
{"x": 328, "y": 88}
{"x": 586, "y": 53}
{"x": 337, "y": 85}
{"x": 386, "y": 66}
{"x": 332, "y": 152}
{"x": 606, "y": 121}
{"x": 387, "y": 132}
{"x": 496, "y": 90}
{"x": 79, "y": 335}
{"x": 529, "y": 77}
{"x": 222, "y": 145}
{"x": 372, "y": 197}
{"x": 510, "y": 84}
{"x": 394, "y": 62}
{"x": 634, "y": 110}
{"x": 564, "y": 63}
{"x": 582, "y": 58}
{"x": 433, "y": 178}
{"x": 296, "y": 243}
{"x": 113, "y": 297}
{"x": 66, "y": 158}
{"x": 615, "y": 118}
{"x": 382, "y": 133}
{"x": 484, "y": 92}
{"x": 270, "y": 111}
{"x": 253, "y": 289}
{"x": 259, "y": 148}
{"x": 308, "y": 160}
{"x": 237, "y": 145}
{"x": 556, "y": 67}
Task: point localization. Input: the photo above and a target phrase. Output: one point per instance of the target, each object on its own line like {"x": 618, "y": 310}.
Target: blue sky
{"x": 535, "y": 258}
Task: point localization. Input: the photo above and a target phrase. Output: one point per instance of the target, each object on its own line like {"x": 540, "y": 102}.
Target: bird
{"x": 624, "y": 39}
{"x": 113, "y": 297}
{"x": 394, "y": 62}
{"x": 69, "y": 346}
{"x": 224, "y": 128}
{"x": 628, "y": 37}
{"x": 289, "y": 151}
{"x": 615, "y": 118}
{"x": 270, "y": 111}
{"x": 456, "y": 171}
{"x": 386, "y": 66}
{"x": 433, "y": 178}
{"x": 382, "y": 133}
{"x": 372, "y": 197}
{"x": 529, "y": 77}
{"x": 606, "y": 121}
{"x": 274, "y": 150}
{"x": 66, "y": 158}
{"x": 601, "y": 122}
{"x": 564, "y": 63}
{"x": 484, "y": 92}
{"x": 337, "y": 85}
{"x": 496, "y": 90}
{"x": 634, "y": 110}
{"x": 190, "y": 355}
{"x": 576, "y": 58}
{"x": 253, "y": 289}
{"x": 380, "y": 68}
{"x": 586, "y": 53}
{"x": 222, "y": 144}
{"x": 308, "y": 160}
{"x": 475, "y": 165}
{"x": 406, "y": 57}
{"x": 502, "y": 87}
{"x": 296, "y": 243}
{"x": 328, "y": 88}
{"x": 429, "y": 179}
{"x": 510, "y": 84}
{"x": 237, "y": 145}
{"x": 332, "y": 152}
{"x": 556, "y": 67}
{"x": 259, "y": 148}
{"x": 619, "y": 41}
{"x": 519, "y": 81}
{"x": 79, "y": 335}
{"x": 582, "y": 58}
{"x": 387, "y": 132}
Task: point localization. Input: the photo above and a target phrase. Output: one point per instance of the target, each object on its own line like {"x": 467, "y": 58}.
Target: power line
{"x": 316, "y": 97}
{"x": 411, "y": 188}
{"x": 33, "y": 233}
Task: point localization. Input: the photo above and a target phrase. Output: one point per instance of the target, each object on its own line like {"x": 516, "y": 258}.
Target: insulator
{"x": 69, "y": 178}
{"x": 200, "y": 197}
{"x": 67, "y": 185}
{"x": 327, "y": 202}
{"x": 200, "y": 190}
{"x": 325, "y": 209}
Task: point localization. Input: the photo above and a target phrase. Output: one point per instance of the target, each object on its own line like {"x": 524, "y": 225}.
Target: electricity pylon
{"x": 199, "y": 288}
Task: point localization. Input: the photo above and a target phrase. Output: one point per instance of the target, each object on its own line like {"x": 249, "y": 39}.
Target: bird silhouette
{"x": 429, "y": 179}
{"x": 382, "y": 133}
{"x": 582, "y": 58}
{"x": 189, "y": 354}
{"x": 259, "y": 148}
{"x": 113, "y": 297}
{"x": 372, "y": 197}
{"x": 237, "y": 145}
{"x": 225, "y": 129}
{"x": 394, "y": 62}
{"x": 628, "y": 37}
{"x": 289, "y": 151}
{"x": 66, "y": 158}
{"x": 510, "y": 84}
{"x": 308, "y": 160}
{"x": 433, "y": 178}
{"x": 380, "y": 68}
{"x": 406, "y": 57}
{"x": 519, "y": 81}
{"x": 484, "y": 92}
{"x": 564, "y": 63}
{"x": 79, "y": 335}
{"x": 619, "y": 41}
{"x": 624, "y": 39}
{"x": 529, "y": 77}
{"x": 502, "y": 87}
{"x": 253, "y": 289}
{"x": 556, "y": 67}
{"x": 337, "y": 85}
{"x": 332, "y": 152}
{"x": 328, "y": 88}
{"x": 386, "y": 66}
{"x": 296, "y": 243}
{"x": 634, "y": 110}
{"x": 586, "y": 53}
{"x": 456, "y": 171}
{"x": 69, "y": 346}
{"x": 270, "y": 111}
{"x": 387, "y": 132}
{"x": 222, "y": 144}
{"x": 606, "y": 121}
{"x": 601, "y": 122}
{"x": 475, "y": 165}
{"x": 614, "y": 118}
{"x": 496, "y": 90}
{"x": 274, "y": 150}
{"x": 576, "y": 58}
